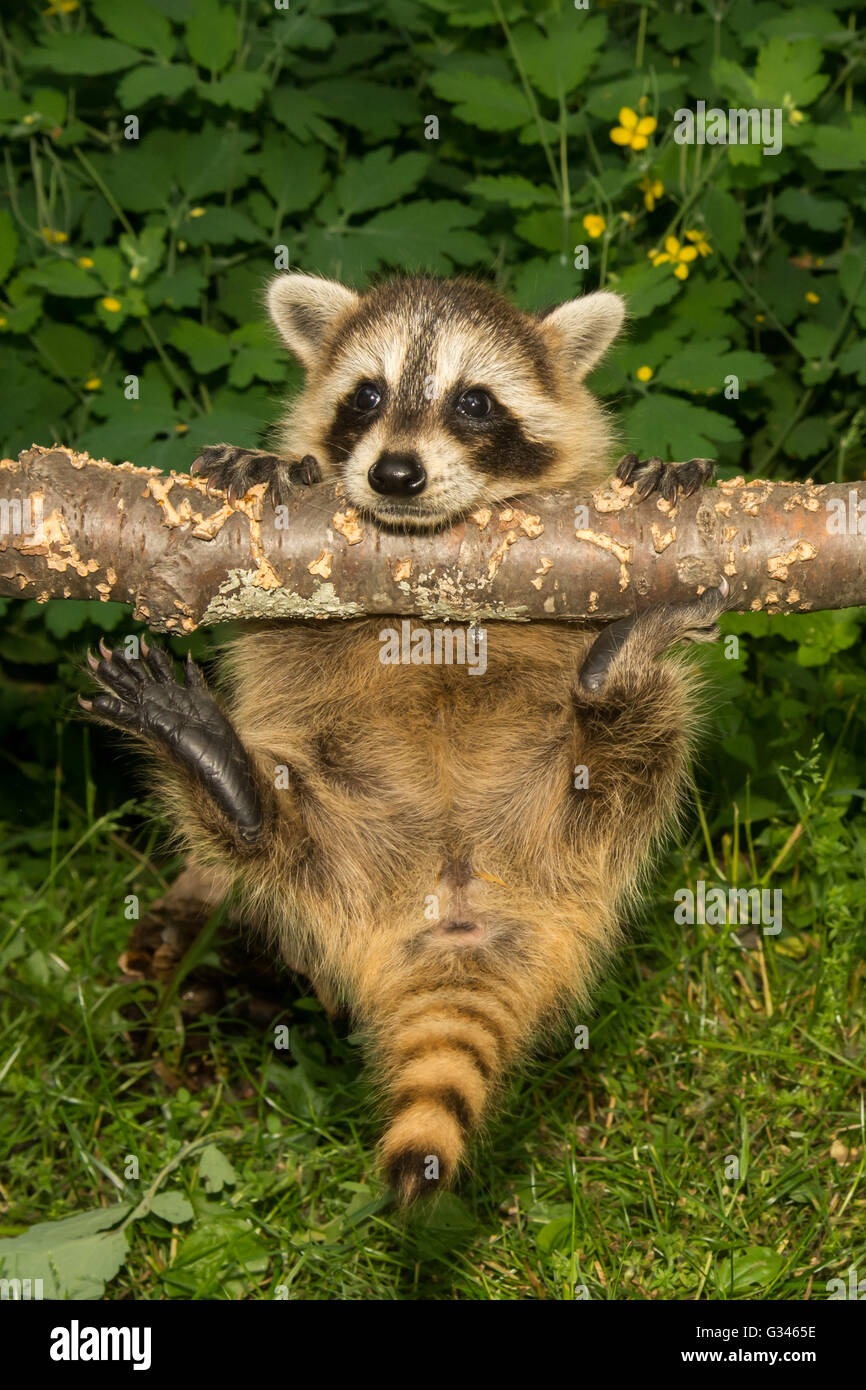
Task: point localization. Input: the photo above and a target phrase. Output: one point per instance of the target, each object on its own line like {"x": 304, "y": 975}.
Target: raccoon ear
{"x": 303, "y": 308}
{"x": 582, "y": 330}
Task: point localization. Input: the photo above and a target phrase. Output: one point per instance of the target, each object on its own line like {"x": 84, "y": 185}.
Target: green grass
{"x": 607, "y": 1169}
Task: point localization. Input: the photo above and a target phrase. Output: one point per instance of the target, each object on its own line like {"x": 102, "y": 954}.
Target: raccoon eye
{"x": 367, "y": 397}
{"x": 475, "y": 404}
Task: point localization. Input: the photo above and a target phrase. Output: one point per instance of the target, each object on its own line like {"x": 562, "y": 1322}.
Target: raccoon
{"x": 428, "y": 857}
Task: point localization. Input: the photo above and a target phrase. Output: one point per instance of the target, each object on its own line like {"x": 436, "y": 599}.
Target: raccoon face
{"x": 428, "y": 398}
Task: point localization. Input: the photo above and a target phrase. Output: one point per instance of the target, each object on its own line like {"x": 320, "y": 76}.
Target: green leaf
{"x": 212, "y": 34}
{"x": 69, "y": 349}
{"x": 182, "y": 289}
{"x": 8, "y": 243}
{"x": 839, "y": 147}
{"x": 75, "y": 1258}
{"x": 814, "y": 435}
{"x": 559, "y": 59}
{"x": 483, "y": 101}
{"x": 63, "y": 616}
{"x": 62, "y": 278}
{"x": 427, "y": 235}
{"x": 83, "y": 55}
{"x": 787, "y": 73}
{"x": 743, "y": 1269}
{"x": 172, "y": 1206}
{"x": 303, "y": 115}
{"x": 377, "y": 180}
{"x": 671, "y": 428}
{"x": 724, "y": 220}
{"x": 645, "y": 289}
{"x": 853, "y": 359}
{"x": 144, "y": 252}
{"x": 144, "y": 83}
{"x": 215, "y": 1170}
{"x": 219, "y": 226}
{"x": 206, "y": 349}
{"x": 512, "y": 189}
{"x": 704, "y": 365}
{"x": 816, "y": 210}
{"x": 141, "y": 25}
{"x": 292, "y": 173}
{"x": 257, "y": 356}
{"x": 241, "y": 90}
{"x": 380, "y": 112}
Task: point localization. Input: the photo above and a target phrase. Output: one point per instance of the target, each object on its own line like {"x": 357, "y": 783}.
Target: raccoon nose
{"x": 397, "y": 475}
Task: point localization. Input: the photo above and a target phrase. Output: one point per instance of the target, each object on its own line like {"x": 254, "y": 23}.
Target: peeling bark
{"x": 75, "y": 527}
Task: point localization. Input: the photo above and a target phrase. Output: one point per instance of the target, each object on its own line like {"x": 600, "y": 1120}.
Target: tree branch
{"x": 75, "y": 527}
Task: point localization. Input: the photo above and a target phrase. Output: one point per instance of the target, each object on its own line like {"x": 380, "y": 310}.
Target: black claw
{"x": 234, "y": 471}
{"x": 144, "y": 697}
{"x": 670, "y": 480}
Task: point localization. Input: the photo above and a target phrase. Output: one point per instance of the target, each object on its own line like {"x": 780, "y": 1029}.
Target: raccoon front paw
{"x": 643, "y": 636}
{"x": 183, "y": 721}
{"x": 669, "y": 479}
{"x": 234, "y": 471}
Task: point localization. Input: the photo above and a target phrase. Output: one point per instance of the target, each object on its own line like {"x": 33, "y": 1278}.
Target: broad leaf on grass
{"x": 75, "y": 1258}
{"x": 215, "y": 1170}
{"x": 172, "y": 1206}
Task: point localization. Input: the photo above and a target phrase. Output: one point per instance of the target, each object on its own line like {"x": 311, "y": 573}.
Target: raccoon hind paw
{"x": 142, "y": 696}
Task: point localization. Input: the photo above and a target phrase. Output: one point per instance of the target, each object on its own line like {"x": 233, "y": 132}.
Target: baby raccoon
{"x": 413, "y": 839}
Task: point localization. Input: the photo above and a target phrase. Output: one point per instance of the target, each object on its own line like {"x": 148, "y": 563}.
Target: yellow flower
{"x": 51, "y": 235}
{"x": 3, "y": 321}
{"x": 652, "y": 190}
{"x": 197, "y": 212}
{"x": 633, "y": 129}
{"x": 85, "y": 262}
{"x": 796, "y": 117}
{"x": 594, "y": 224}
{"x": 644, "y": 373}
{"x": 93, "y": 384}
{"x": 134, "y": 273}
{"x": 812, "y": 298}
{"x": 181, "y": 429}
{"x": 61, "y": 7}
{"x": 759, "y": 318}
{"x": 111, "y": 306}
{"x": 676, "y": 255}
{"x": 700, "y": 242}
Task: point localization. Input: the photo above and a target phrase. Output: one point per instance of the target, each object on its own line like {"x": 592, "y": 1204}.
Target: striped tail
{"x": 443, "y": 1050}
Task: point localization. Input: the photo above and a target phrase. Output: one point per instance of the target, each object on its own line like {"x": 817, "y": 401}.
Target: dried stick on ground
{"x": 74, "y": 527}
